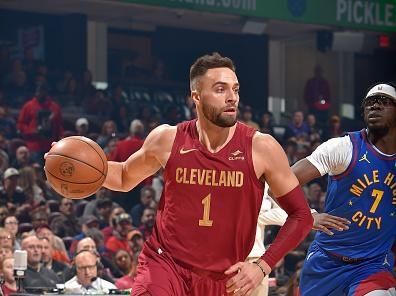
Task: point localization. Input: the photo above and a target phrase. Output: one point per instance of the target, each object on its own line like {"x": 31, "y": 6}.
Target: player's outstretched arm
{"x": 123, "y": 176}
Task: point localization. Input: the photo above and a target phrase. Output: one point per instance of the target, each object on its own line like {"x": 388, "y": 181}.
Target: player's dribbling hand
{"x": 52, "y": 144}
{"x": 248, "y": 276}
{"x": 324, "y": 222}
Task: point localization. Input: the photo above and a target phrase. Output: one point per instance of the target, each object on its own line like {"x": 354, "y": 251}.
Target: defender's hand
{"x": 248, "y": 276}
{"x": 324, "y": 222}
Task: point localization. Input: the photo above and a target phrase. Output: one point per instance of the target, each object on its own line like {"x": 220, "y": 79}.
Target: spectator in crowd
{"x": 131, "y": 144}
{"x": 315, "y": 133}
{"x": 6, "y": 239}
{"x": 297, "y": 127}
{"x": 40, "y": 122}
{"x": 46, "y": 258}
{"x": 4, "y": 160}
{"x": 59, "y": 252}
{"x": 147, "y": 222}
{"x": 108, "y": 231}
{"x": 22, "y": 158}
{"x": 28, "y": 182}
{"x": 147, "y": 195}
{"x": 10, "y": 193}
{"x": 119, "y": 241}
{"x": 71, "y": 96}
{"x": 87, "y": 280}
{"x": 87, "y": 87}
{"x": 109, "y": 130}
{"x": 314, "y": 195}
{"x": 317, "y": 95}
{"x": 335, "y": 129}
{"x": 11, "y": 224}
{"x": 8, "y": 285}
{"x": 82, "y": 127}
{"x": 66, "y": 224}
{"x": 5, "y": 252}
{"x": 122, "y": 151}
{"x": 266, "y": 124}
{"x": 17, "y": 89}
{"x": 91, "y": 207}
{"x": 123, "y": 261}
{"x": 136, "y": 241}
{"x": 4, "y": 212}
{"x": 61, "y": 86}
{"x": 247, "y": 117}
{"x": 119, "y": 105}
{"x": 86, "y": 222}
{"x": 104, "y": 207}
{"x": 127, "y": 281}
{"x": 7, "y": 123}
{"x": 36, "y": 276}
{"x": 108, "y": 269}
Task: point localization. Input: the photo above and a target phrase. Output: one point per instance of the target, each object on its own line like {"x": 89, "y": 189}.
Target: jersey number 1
{"x": 205, "y": 221}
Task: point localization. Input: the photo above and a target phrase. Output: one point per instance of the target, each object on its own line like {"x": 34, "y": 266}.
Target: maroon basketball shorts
{"x": 159, "y": 275}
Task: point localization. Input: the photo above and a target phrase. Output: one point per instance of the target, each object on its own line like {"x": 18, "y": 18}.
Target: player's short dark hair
{"x": 206, "y": 62}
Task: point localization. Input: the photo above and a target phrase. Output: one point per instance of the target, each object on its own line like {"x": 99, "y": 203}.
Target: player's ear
{"x": 195, "y": 95}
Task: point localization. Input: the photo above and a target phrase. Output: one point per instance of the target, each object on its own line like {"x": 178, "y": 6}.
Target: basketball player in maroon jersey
{"x": 214, "y": 173}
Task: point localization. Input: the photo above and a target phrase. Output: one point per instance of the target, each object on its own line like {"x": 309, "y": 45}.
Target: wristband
{"x": 262, "y": 269}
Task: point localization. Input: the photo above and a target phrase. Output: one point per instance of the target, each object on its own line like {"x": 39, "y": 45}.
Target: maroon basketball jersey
{"x": 208, "y": 211}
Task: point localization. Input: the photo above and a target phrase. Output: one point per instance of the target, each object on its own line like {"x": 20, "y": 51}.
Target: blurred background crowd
{"x": 45, "y": 97}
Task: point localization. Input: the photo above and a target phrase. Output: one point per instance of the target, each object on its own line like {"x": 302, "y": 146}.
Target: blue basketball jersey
{"x": 365, "y": 194}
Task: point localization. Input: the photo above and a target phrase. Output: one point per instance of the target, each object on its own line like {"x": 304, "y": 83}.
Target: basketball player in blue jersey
{"x": 361, "y": 188}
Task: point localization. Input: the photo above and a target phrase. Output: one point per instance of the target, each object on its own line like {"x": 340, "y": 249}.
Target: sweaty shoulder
{"x": 159, "y": 142}
{"x": 333, "y": 156}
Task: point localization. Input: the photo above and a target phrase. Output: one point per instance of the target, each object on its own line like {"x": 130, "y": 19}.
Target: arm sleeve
{"x": 333, "y": 156}
{"x": 298, "y": 224}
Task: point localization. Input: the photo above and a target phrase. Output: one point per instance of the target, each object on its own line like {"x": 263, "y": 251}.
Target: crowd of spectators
{"x": 37, "y": 107}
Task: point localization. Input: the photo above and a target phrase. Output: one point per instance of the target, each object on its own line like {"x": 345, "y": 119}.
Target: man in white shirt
{"x": 86, "y": 280}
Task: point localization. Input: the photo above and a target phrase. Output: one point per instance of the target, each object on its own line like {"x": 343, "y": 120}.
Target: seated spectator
{"x": 109, "y": 130}
{"x": 22, "y": 158}
{"x": 8, "y": 286}
{"x": 27, "y": 181}
{"x": 123, "y": 261}
{"x": 108, "y": 231}
{"x": 266, "y": 124}
{"x": 147, "y": 195}
{"x": 7, "y": 123}
{"x": 4, "y": 161}
{"x": 247, "y": 117}
{"x": 127, "y": 280}
{"x": 6, "y": 239}
{"x": 335, "y": 128}
{"x": 86, "y": 222}
{"x": 11, "y": 224}
{"x": 147, "y": 222}
{"x": 37, "y": 276}
{"x": 46, "y": 258}
{"x": 119, "y": 241}
{"x": 5, "y": 252}
{"x": 82, "y": 127}
{"x": 59, "y": 252}
{"x": 108, "y": 269}
{"x": 136, "y": 241}
{"x": 10, "y": 192}
{"x": 87, "y": 280}
{"x": 67, "y": 223}
{"x": 297, "y": 127}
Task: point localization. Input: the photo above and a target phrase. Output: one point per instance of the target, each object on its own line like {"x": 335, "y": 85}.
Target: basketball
{"x": 76, "y": 167}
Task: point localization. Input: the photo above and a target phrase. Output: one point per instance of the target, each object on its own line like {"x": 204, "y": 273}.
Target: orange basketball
{"x": 76, "y": 167}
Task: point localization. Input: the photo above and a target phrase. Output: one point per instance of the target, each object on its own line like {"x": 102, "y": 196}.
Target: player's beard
{"x": 218, "y": 117}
